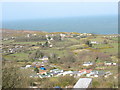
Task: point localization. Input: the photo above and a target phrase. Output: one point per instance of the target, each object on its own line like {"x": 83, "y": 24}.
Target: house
{"x": 101, "y": 73}
{"x": 87, "y": 63}
{"x": 83, "y": 83}
{"x": 109, "y": 63}
{"x": 76, "y": 74}
{"x": 45, "y": 75}
{"x": 56, "y": 74}
{"x": 33, "y": 87}
{"x": 62, "y": 36}
{"x": 42, "y": 68}
{"x": 107, "y": 74}
{"x": 94, "y": 42}
{"x": 67, "y": 73}
{"x": 114, "y": 64}
{"x": 28, "y": 66}
{"x": 43, "y": 72}
{"x": 50, "y": 45}
{"x": 56, "y": 71}
{"x": 88, "y": 71}
{"x": 45, "y": 57}
{"x": 37, "y": 64}
{"x": 84, "y": 71}
{"x": 95, "y": 74}
{"x": 11, "y": 51}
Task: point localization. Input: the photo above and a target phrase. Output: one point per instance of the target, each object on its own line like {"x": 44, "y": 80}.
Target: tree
{"x": 39, "y": 54}
{"x": 105, "y": 42}
{"x": 49, "y": 38}
{"x": 36, "y": 70}
{"x": 12, "y": 77}
{"x": 46, "y": 44}
{"x": 88, "y": 43}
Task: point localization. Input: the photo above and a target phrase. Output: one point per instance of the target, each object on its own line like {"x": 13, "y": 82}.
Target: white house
{"x": 56, "y": 71}
{"x": 109, "y": 63}
{"x": 114, "y": 63}
{"x": 87, "y": 63}
{"x": 28, "y": 66}
{"x": 50, "y": 45}
{"x": 94, "y": 42}
{"x": 62, "y": 36}
{"x": 67, "y": 72}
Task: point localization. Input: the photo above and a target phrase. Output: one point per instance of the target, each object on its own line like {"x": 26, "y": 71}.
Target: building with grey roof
{"x": 83, "y": 83}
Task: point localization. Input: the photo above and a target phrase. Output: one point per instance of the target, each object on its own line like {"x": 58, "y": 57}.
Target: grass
{"x": 60, "y": 53}
{"x": 25, "y": 43}
{"x": 7, "y": 41}
{"x": 28, "y": 42}
{"x": 101, "y": 46}
{"x": 73, "y": 47}
{"x": 17, "y": 56}
{"x": 66, "y": 43}
{"x": 13, "y": 42}
{"x": 73, "y": 40}
{"x": 98, "y": 39}
{"x": 116, "y": 39}
{"x": 111, "y": 50}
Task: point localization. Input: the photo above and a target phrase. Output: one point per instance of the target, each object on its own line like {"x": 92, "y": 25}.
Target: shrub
{"x": 12, "y": 77}
{"x": 95, "y": 84}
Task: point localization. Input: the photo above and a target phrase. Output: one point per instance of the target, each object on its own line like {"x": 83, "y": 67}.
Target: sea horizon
{"x": 91, "y": 24}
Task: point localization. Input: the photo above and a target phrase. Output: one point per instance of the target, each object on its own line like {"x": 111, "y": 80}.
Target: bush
{"x": 95, "y": 84}
{"x": 58, "y": 81}
{"x": 12, "y": 77}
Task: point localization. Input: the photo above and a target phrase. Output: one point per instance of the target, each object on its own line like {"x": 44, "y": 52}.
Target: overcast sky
{"x": 37, "y": 10}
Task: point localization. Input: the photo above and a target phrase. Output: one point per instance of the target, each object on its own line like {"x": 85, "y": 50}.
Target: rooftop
{"x": 83, "y": 83}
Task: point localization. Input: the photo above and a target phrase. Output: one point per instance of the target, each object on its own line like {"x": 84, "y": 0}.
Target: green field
{"x": 17, "y": 56}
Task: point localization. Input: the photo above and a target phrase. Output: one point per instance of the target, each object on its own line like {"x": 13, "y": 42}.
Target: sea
{"x": 91, "y": 24}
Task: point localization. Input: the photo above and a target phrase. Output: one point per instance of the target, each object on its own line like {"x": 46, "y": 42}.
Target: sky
{"x": 38, "y": 10}
{"x": 59, "y": 0}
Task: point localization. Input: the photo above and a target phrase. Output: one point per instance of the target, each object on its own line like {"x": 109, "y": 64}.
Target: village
{"x": 49, "y": 55}
{"x": 42, "y": 72}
